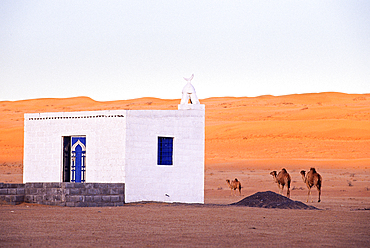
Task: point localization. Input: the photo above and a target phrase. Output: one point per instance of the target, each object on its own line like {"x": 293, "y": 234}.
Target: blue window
{"x": 165, "y": 150}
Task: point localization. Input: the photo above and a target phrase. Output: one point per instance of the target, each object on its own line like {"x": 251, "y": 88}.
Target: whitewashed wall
{"x": 123, "y": 149}
{"x": 181, "y": 182}
{"x": 105, "y": 144}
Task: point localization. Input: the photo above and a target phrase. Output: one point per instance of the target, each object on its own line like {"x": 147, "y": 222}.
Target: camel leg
{"x": 319, "y": 189}
{"x": 279, "y": 187}
{"x": 282, "y": 189}
{"x": 308, "y": 194}
{"x": 288, "y": 193}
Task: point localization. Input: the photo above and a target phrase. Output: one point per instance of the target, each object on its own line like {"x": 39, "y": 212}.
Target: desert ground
{"x": 246, "y": 138}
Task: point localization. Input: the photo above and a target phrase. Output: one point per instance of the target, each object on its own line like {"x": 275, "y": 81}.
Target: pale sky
{"x": 117, "y": 50}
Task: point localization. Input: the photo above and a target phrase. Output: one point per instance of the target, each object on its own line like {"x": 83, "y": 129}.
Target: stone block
{"x": 57, "y": 197}
{"x": 70, "y": 204}
{"x": 121, "y": 191}
{"x": 47, "y": 185}
{"x": 114, "y": 185}
{"x": 69, "y": 185}
{"x": 52, "y": 185}
{"x": 97, "y": 198}
{"x": 12, "y": 185}
{"x": 3, "y": 191}
{"x": 81, "y": 204}
{"x": 114, "y": 198}
{"x": 47, "y": 198}
{"x": 28, "y": 198}
{"x": 89, "y": 185}
{"x": 18, "y": 198}
{"x": 30, "y": 191}
{"x": 7, "y": 185}
{"x": 83, "y": 191}
{"x": 105, "y": 198}
{"x": 28, "y": 185}
{"x": 40, "y": 191}
{"x": 92, "y": 191}
{"x": 108, "y": 204}
{"x": 114, "y": 191}
{"x": 103, "y": 185}
{"x": 104, "y": 191}
{"x": 51, "y": 191}
{"x": 76, "y": 198}
{"x": 20, "y": 185}
{"x": 21, "y": 191}
{"x": 79, "y": 185}
{"x": 74, "y": 191}
{"x": 37, "y": 185}
{"x": 12, "y": 191}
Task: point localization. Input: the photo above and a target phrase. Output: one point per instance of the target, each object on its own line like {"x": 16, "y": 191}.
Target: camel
{"x": 234, "y": 185}
{"x": 312, "y": 179}
{"x": 283, "y": 178}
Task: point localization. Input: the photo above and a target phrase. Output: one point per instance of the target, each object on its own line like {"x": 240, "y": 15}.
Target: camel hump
{"x": 236, "y": 179}
{"x": 313, "y": 169}
{"x": 284, "y": 170}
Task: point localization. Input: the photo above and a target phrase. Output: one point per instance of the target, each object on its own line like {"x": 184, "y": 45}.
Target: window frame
{"x": 165, "y": 148}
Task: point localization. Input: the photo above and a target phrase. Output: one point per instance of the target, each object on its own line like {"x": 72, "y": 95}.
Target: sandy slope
{"x": 324, "y": 126}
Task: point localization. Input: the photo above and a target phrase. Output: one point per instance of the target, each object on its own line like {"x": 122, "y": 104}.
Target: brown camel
{"x": 312, "y": 179}
{"x": 234, "y": 185}
{"x": 283, "y": 178}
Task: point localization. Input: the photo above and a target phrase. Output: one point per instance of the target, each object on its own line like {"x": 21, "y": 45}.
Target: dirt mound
{"x": 270, "y": 199}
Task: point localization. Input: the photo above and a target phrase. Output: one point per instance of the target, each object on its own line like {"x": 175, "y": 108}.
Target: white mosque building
{"x": 157, "y": 154}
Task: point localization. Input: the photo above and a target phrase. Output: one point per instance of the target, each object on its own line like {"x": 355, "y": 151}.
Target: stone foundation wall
{"x": 64, "y": 194}
{"x": 12, "y": 193}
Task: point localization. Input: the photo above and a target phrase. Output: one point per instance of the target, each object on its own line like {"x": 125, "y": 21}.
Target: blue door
{"x": 78, "y": 157}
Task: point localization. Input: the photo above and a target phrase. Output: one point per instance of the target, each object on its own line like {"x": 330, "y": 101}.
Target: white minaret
{"x": 189, "y": 98}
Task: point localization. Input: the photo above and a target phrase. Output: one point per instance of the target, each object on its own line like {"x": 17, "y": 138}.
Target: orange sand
{"x": 330, "y": 129}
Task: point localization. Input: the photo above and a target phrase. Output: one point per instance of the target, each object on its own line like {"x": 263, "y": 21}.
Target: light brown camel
{"x": 234, "y": 185}
{"x": 283, "y": 178}
{"x": 312, "y": 179}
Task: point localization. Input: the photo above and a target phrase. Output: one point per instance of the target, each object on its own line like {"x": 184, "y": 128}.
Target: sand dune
{"x": 322, "y": 126}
